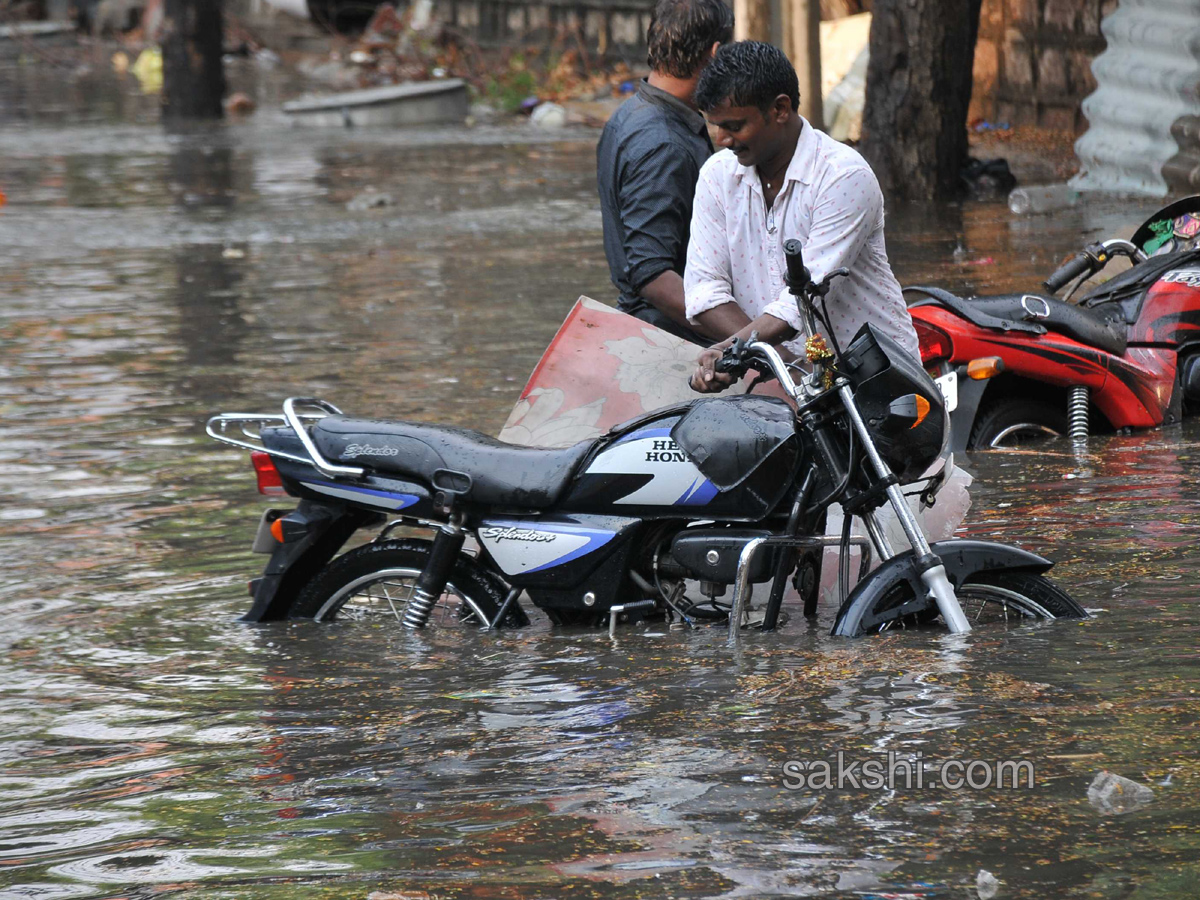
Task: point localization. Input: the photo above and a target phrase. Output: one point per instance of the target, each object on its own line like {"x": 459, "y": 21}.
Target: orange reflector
{"x": 984, "y": 367}
{"x": 277, "y": 530}
{"x": 922, "y": 411}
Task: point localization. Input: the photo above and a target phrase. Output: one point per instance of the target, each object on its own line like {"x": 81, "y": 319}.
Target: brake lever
{"x": 826, "y": 283}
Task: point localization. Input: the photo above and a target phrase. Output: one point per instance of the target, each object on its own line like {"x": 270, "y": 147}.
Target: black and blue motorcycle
{"x": 678, "y": 513}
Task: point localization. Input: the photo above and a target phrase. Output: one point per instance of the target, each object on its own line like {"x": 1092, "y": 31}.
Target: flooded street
{"x": 150, "y": 745}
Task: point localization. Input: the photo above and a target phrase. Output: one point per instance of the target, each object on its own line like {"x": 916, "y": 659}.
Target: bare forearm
{"x": 665, "y": 293}
{"x": 722, "y": 322}
{"x": 770, "y": 329}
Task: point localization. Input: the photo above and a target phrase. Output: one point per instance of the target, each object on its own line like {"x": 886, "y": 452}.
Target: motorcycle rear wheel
{"x": 374, "y": 582}
{"x": 1000, "y": 598}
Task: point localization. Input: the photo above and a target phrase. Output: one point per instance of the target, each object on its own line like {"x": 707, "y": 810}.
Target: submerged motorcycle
{"x": 723, "y": 492}
{"x": 1029, "y": 366}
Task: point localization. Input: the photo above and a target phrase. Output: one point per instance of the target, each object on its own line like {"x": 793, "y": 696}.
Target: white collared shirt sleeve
{"x": 708, "y": 276}
{"x": 847, "y": 211}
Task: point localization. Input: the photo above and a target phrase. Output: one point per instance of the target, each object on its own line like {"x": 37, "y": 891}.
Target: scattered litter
{"x": 370, "y": 199}
{"x": 233, "y": 253}
{"x": 1042, "y": 199}
{"x": 987, "y": 179}
{"x": 239, "y": 103}
{"x": 148, "y": 70}
{"x": 986, "y": 884}
{"x": 266, "y": 58}
{"x": 548, "y": 116}
{"x": 1115, "y": 795}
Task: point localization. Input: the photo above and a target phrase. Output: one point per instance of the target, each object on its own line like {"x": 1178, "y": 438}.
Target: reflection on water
{"x": 150, "y": 744}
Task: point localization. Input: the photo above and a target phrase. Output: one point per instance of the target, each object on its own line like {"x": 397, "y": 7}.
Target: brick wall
{"x": 611, "y": 28}
{"x": 1033, "y": 60}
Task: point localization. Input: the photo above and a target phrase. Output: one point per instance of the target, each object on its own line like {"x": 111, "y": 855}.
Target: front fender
{"x": 962, "y": 559}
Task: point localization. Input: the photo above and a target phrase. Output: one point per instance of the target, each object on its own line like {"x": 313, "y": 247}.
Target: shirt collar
{"x": 692, "y": 119}
{"x": 799, "y": 169}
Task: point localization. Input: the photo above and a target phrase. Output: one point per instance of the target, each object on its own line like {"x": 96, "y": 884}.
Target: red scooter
{"x": 1022, "y": 367}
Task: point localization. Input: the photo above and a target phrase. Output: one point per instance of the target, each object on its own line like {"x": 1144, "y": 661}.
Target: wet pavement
{"x": 150, "y": 745}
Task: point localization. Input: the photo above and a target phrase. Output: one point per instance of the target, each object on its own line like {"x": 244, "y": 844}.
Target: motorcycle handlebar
{"x": 1080, "y": 264}
{"x": 798, "y": 276}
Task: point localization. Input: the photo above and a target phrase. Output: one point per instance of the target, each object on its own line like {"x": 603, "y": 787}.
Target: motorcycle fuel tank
{"x": 647, "y": 473}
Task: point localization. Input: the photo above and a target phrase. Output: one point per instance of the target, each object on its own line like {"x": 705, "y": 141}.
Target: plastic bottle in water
{"x": 1042, "y": 198}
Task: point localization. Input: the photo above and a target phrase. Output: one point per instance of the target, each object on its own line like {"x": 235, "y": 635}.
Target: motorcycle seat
{"x": 1087, "y": 326}
{"x": 500, "y": 474}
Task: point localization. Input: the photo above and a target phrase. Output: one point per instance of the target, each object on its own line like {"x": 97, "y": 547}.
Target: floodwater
{"x": 150, "y": 745}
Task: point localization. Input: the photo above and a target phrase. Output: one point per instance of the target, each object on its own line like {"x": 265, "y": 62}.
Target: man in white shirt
{"x": 778, "y": 178}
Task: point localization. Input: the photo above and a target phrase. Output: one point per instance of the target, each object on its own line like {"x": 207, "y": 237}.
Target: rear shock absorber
{"x": 432, "y": 580}
{"x": 1077, "y": 414}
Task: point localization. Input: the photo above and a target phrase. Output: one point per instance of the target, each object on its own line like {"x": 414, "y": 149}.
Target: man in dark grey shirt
{"x": 649, "y": 159}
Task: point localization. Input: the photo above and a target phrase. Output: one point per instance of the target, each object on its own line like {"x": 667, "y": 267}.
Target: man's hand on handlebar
{"x": 711, "y": 373}
{"x": 706, "y": 379}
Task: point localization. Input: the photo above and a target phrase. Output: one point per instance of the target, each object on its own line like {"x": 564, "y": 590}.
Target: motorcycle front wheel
{"x": 1000, "y": 598}
{"x": 374, "y": 583}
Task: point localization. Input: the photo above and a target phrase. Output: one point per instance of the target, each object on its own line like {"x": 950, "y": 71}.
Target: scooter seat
{"x": 1087, "y": 326}
{"x": 499, "y": 474}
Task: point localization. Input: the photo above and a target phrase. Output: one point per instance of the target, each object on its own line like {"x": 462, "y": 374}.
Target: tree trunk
{"x": 802, "y": 44}
{"x": 752, "y": 20}
{"x": 918, "y": 90}
{"x": 193, "y": 73}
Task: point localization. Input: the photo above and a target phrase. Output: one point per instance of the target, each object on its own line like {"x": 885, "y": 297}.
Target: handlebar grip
{"x": 723, "y": 365}
{"x": 1079, "y": 264}
{"x": 798, "y": 277}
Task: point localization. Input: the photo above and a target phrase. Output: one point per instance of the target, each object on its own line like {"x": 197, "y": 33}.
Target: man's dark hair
{"x": 748, "y": 73}
{"x": 682, "y": 32}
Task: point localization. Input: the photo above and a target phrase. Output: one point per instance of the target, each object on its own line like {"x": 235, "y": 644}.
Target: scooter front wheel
{"x": 374, "y": 582}
{"x": 1017, "y": 421}
{"x": 1001, "y": 598}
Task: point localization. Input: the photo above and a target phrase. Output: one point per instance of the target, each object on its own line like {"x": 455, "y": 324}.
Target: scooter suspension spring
{"x": 1077, "y": 414}
{"x": 416, "y": 613}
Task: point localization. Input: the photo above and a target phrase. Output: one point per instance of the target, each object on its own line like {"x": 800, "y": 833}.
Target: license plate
{"x": 948, "y": 384}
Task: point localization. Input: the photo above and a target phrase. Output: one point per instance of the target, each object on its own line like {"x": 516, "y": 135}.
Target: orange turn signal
{"x": 277, "y": 530}
{"x": 984, "y": 367}
{"x": 922, "y": 411}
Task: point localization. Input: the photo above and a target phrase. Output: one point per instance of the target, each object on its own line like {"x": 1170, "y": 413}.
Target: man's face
{"x": 752, "y": 135}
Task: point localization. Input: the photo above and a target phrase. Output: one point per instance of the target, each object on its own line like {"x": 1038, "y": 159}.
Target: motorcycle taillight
{"x": 269, "y": 482}
{"x": 935, "y": 344}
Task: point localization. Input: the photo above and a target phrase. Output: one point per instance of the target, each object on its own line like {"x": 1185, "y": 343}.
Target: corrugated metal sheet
{"x": 1149, "y": 78}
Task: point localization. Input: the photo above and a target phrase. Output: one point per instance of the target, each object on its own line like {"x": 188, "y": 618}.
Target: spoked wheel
{"x": 1017, "y": 422}
{"x": 1001, "y": 599}
{"x": 375, "y": 582}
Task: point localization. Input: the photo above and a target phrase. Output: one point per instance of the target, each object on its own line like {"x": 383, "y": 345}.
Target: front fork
{"x": 933, "y": 573}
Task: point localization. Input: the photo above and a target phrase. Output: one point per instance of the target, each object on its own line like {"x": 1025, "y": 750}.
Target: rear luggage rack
{"x": 251, "y": 424}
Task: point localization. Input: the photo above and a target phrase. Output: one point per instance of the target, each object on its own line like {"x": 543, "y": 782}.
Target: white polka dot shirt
{"x": 831, "y": 203}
